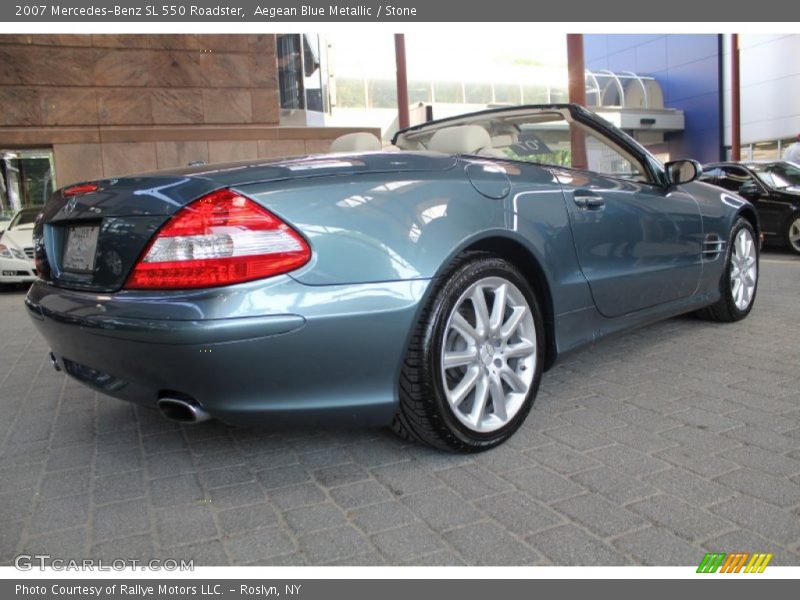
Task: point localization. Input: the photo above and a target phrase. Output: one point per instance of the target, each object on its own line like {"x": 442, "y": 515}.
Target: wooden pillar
{"x": 736, "y": 140}
{"x": 577, "y": 95}
{"x": 402, "y": 80}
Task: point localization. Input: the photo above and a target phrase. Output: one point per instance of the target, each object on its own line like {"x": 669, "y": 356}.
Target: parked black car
{"x": 774, "y": 189}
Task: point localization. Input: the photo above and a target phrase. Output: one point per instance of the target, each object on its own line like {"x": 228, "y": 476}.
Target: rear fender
{"x": 372, "y": 228}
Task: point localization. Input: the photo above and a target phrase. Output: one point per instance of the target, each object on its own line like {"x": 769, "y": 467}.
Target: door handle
{"x": 588, "y": 200}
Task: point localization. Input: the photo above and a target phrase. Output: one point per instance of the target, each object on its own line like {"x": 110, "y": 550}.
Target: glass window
{"x": 300, "y": 72}
{"x": 312, "y": 73}
{"x": 478, "y": 93}
{"x": 382, "y": 93}
{"x": 24, "y": 217}
{"x": 766, "y": 151}
{"x": 559, "y": 95}
{"x": 732, "y": 178}
{"x": 507, "y": 93}
{"x": 290, "y": 71}
{"x": 548, "y": 138}
{"x": 778, "y": 175}
{"x": 543, "y": 142}
{"x": 418, "y": 91}
{"x": 350, "y": 93}
{"x": 711, "y": 174}
{"x": 27, "y": 178}
{"x": 447, "y": 91}
{"x": 602, "y": 157}
{"x": 535, "y": 94}
{"x": 610, "y": 92}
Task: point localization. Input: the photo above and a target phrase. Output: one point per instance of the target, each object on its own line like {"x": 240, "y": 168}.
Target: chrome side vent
{"x": 713, "y": 247}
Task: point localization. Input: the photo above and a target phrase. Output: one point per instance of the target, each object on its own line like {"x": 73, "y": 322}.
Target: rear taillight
{"x": 220, "y": 239}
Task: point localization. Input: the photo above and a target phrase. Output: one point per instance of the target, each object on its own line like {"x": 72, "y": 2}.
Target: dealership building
{"x": 82, "y": 107}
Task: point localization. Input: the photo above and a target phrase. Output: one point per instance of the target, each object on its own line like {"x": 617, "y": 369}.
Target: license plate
{"x": 80, "y": 250}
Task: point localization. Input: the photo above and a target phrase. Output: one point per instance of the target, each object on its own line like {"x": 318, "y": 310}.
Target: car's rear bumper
{"x": 258, "y": 353}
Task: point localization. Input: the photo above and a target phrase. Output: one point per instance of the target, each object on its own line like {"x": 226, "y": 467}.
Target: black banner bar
{"x": 733, "y": 588}
{"x": 357, "y": 11}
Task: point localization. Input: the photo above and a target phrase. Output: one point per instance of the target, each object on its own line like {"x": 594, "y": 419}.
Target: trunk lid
{"x": 111, "y": 227}
{"x": 126, "y": 213}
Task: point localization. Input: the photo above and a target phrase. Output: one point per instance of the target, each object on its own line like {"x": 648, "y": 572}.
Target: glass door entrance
{"x": 27, "y": 178}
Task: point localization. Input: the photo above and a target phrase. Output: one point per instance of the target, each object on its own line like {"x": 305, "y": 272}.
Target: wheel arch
{"x": 749, "y": 214}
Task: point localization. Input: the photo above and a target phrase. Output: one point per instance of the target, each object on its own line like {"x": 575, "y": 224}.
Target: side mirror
{"x": 749, "y": 189}
{"x": 683, "y": 171}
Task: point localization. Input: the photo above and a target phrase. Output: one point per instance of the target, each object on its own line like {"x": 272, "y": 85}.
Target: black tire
{"x": 725, "y": 310}
{"x": 794, "y": 248}
{"x": 423, "y": 414}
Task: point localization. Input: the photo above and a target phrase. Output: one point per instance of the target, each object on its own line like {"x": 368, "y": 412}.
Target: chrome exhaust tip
{"x": 182, "y": 411}
{"x": 54, "y": 362}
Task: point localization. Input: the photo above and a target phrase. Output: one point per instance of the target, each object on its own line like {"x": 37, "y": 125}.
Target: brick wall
{"x": 114, "y": 104}
{"x": 48, "y": 80}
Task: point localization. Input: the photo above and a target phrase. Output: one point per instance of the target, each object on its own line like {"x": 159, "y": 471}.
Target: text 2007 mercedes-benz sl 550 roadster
{"x": 427, "y": 285}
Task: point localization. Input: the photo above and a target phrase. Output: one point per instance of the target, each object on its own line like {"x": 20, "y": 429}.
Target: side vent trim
{"x": 713, "y": 247}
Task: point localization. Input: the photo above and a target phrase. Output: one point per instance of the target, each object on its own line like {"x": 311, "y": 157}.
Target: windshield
{"x": 779, "y": 176}
{"x": 540, "y": 136}
{"x": 24, "y": 217}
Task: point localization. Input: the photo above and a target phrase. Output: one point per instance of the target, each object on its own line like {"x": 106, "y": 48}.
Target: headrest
{"x": 502, "y": 140}
{"x": 460, "y": 139}
{"x": 356, "y": 142}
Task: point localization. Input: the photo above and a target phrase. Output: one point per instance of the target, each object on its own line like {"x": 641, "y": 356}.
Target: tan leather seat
{"x": 356, "y": 142}
{"x": 463, "y": 139}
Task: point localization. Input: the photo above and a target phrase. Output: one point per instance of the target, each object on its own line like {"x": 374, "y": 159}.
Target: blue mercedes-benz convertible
{"x": 426, "y": 285}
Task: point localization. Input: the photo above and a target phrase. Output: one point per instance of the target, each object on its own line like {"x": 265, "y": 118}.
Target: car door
{"x": 638, "y": 242}
{"x": 740, "y": 181}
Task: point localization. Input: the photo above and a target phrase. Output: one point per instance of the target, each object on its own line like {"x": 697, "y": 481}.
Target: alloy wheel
{"x": 744, "y": 269}
{"x": 794, "y": 234}
{"x": 488, "y": 358}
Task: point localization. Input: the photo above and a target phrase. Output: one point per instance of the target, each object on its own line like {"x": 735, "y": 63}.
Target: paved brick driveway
{"x": 651, "y": 448}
